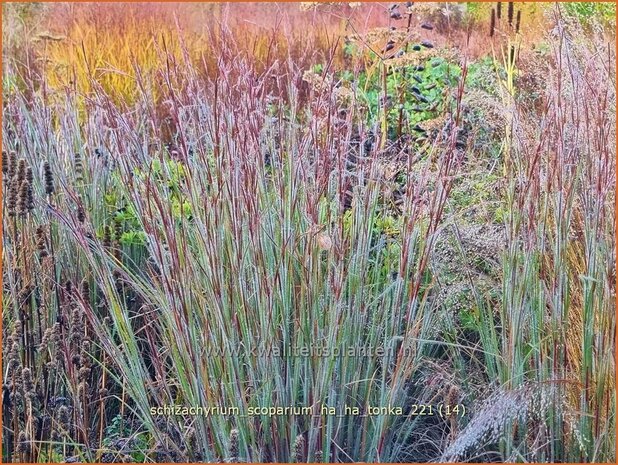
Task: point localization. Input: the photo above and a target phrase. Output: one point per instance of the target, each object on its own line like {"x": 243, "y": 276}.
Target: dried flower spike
{"x": 12, "y": 168}
{"x": 24, "y": 199}
{"x": 492, "y": 24}
{"x": 12, "y": 198}
{"x": 21, "y": 171}
{"x": 233, "y": 447}
{"x": 298, "y": 451}
{"x": 49, "y": 178}
{"x": 5, "y": 163}
{"x": 81, "y": 213}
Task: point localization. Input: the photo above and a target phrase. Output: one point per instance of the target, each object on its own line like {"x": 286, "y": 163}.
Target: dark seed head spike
{"x": 21, "y": 171}
{"x": 5, "y": 163}
{"x": 492, "y": 24}
{"x": 499, "y": 10}
{"x": 518, "y": 21}
{"x": 510, "y": 12}
{"x": 12, "y": 168}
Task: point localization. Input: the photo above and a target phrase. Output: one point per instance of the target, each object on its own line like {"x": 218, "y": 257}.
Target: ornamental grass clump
{"x": 553, "y": 332}
{"x": 207, "y": 249}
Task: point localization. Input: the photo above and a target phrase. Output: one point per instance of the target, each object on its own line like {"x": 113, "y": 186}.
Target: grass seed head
{"x": 298, "y": 451}
{"x": 5, "y": 163}
{"x": 79, "y": 167}
{"x": 12, "y": 165}
{"x": 24, "y": 445}
{"x": 41, "y": 241}
{"x": 21, "y": 171}
{"x": 49, "y": 178}
{"x": 492, "y": 24}
{"x": 233, "y": 446}
{"x": 11, "y": 201}
{"x": 24, "y": 200}
{"x": 81, "y": 213}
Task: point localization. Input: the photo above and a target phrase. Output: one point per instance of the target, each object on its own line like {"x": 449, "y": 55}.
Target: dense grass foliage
{"x": 186, "y": 207}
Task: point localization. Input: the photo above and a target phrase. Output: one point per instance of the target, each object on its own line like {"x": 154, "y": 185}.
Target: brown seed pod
{"x": 518, "y": 21}
{"x": 510, "y": 11}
